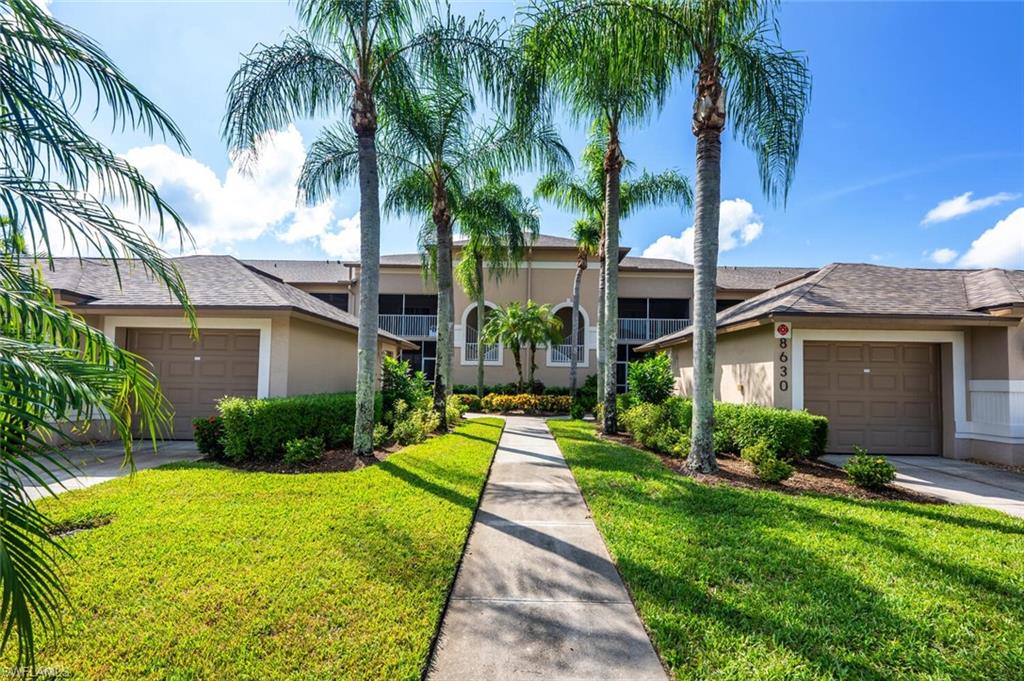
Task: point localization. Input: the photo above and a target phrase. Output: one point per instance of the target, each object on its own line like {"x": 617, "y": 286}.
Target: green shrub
{"x": 303, "y": 450}
{"x": 869, "y": 472}
{"x": 399, "y": 382}
{"x": 586, "y": 394}
{"x": 259, "y": 428}
{"x": 650, "y": 379}
{"x": 468, "y": 402}
{"x": 208, "y": 434}
{"x": 556, "y": 390}
{"x": 413, "y": 425}
{"x": 659, "y": 427}
{"x": 577, "y": 410}
{"x": 530, "y": 404}
{"x": 793, "y": 435}
{"x": 454, "y": 409}
{"x": 381, "y": 436}
{"x": 767, "y": 464}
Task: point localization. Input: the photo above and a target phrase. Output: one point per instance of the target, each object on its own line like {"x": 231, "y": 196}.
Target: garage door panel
{"x": 883, "y": 396}
{"x": 228, "y": 364}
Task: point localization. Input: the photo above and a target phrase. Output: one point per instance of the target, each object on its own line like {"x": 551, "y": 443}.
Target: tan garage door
{"x": 881, "y": 396}
{"x": 194, "y": 375}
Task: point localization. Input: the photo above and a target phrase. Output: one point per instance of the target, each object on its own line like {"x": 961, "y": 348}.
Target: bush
{"x": 381, "y": 436}
{"x": 576, "y": 410}
{"x": 869, "y": 472}
{"x": 399, "y": 382}
{"x": 793, "y": 435}
{"x": 650, "y": 380}
{"x": 659, "y": 427}
{"x": 506, "y": 389}
{"x": 556, "y": 390}
{"x": 208, "y": 434}
{"x": 767, "y": 464}
{"x": 259, "y": 428}
{"x": 586, "y": 394}
{"x": 468, "y": 402}
{"x": 413, "y": 425}
{"x": 454, "y": 409}
{"x": 303, "y": 450}
{"x": 531, "y": 404}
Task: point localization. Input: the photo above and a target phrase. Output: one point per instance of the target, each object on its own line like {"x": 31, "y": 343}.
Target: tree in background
{"x": 498, "y": 223}
{"x": 56, "y": 370}
{"x": 538, "y": 326}
{"x": 505, "y": 326}
{"x": 350, "y": 53}
{"x": 587, "y": 234}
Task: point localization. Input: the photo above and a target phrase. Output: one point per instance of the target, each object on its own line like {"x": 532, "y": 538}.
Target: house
{"x": 654, "y": 300}
{"x": 258, "y": 336}
{"x": 900, "y": 360}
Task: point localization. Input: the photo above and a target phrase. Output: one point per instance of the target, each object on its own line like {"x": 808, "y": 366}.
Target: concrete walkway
{"x": 537, "y": 596}
{"x": 93, "y": 464}
{"x": 958, "y": 482}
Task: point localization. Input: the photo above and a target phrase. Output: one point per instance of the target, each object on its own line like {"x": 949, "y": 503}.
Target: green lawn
{"x": 737, "y": 584}
{"x": 208, "y": 572}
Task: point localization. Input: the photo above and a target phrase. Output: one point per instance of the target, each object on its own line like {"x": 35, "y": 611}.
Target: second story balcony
{"x": 637, "y": 330}
{"x": 409, "y": 325}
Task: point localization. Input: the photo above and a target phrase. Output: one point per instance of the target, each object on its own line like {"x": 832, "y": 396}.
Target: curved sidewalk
{"x": 537, "y": 596}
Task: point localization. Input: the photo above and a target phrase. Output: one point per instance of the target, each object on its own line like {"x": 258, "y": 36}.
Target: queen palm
{"x": 584, "y": 194}
{"x": 498, "y": 223}
{"x": 350, "y": 52}
{"x": 731, "y": 46}
{"x": 430, "y": 150}
{"x": 587, "y": 234}
{"x": 603, "y": 67}
{"x": 55, "y": 370}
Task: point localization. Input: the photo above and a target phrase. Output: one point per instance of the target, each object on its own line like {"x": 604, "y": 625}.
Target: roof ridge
{"x": 259, "y": 277}
{"x": 824, "y": 272}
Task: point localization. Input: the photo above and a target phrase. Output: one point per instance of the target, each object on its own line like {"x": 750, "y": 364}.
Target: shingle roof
{"x": 632, "y": 262}
{"x": 304, "y": 271}
{"x": 757, "y": 278}
{"x": 992, "y": 288}
{"x": 863, "y": 290}
{"x": 211, "y": 281}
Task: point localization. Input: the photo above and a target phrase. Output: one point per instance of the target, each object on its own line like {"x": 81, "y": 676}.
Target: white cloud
{"x": 243, "y": 206}
{"x": 942, "y": 255}
{"x": 738, "y": 225}
{"x": 964, "y": 204}
{"x": 999, "y": 246}
{"x": 344, "y": 242}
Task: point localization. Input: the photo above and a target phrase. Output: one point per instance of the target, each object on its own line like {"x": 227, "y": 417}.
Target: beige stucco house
{"x": 258, "y": 336}
{"x": 901, "y": 361}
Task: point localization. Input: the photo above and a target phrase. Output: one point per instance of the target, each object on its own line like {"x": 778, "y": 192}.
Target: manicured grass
{"x": 207, "y": 572}
{"x": 741, "y": 584}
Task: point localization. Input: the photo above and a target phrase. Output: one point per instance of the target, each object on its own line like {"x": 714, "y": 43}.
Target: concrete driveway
{"x": 93, "y": 464}
{"x": 958, "y": 482}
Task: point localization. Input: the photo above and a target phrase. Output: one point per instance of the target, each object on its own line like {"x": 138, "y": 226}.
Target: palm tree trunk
{"x": 445, "y": 307}
{"x": 600, "y": 319}
{"x": 369, "y": 284}
{"x": 580, "y": 266}
{"x": 613, "y": 167}
{"x": 481, "y": 308}
{"x": 531, "y": 350}
{"x": 708, "y": 121}
{"x": 517, "y": 355}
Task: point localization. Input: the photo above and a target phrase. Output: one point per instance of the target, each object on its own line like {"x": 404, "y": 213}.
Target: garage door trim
{"x": 112, "y": 323}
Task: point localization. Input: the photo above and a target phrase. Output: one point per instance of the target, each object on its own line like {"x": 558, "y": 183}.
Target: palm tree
{"x": 601, "y": 64}
{"x": 55, "y": 370}
{"x": 498, "y": 223}
{"x": 584, "y": 194}
{"x": 505, "y": 325}
{"x": 587, "y": 234}
{"x": 538, "y": 326}
{"x": 731, "y": 46}
{"x": 350, "y": 53}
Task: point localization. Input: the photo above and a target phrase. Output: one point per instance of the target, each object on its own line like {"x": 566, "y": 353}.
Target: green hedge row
{"x": 259, "y": 428}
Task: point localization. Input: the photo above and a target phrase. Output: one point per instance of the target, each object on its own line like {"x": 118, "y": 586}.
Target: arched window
{"x": 561, "y": 354}
{"x": 470, "y": 348}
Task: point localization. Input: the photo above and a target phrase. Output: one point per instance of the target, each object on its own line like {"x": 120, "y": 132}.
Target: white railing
{"x": 640, "y": 329}
{"x": 562, "y": 354}
{"x": 490, "y": 352}
{"x": 409, "y": 325}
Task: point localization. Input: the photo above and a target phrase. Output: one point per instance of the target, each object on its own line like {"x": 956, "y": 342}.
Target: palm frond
{"x": 652, "y": 189}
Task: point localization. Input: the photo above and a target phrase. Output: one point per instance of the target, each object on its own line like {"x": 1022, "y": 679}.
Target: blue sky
{"x": 915, "y": 104}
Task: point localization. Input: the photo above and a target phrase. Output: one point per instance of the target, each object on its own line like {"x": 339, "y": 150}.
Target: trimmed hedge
{"x": 260, "y": 428}
{"x": 660, "y": 427}
{"x": 531, "y": 404}
{"x": 468, "y": 402}
{"x": 208, "y": 434}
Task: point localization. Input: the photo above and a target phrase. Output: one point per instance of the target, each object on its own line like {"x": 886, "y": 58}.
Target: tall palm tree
{"x": 587, "y": 234}
{"x": 55, "y": 370}
{"x": 731, "y": 46}
{"x": 538, "y": 327}
{"x": 602, "y": 66}
{"x": 584, "y": 194}
{"x": 498, "y": 223}
{"x": 505, "y": 325}
{"x": 350, "y": 52}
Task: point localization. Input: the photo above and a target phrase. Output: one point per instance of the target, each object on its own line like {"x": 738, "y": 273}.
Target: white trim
{"x": 461, "y": 335}
{"x": 112, "y": 323}
{"x": 998, "y": 385}
{"x": 956, "y": 338}
{"x": 586, "y": 336}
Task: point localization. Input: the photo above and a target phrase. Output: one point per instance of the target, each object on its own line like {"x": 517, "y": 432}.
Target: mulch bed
{"x": 811, "y": 476}
{"x": 333, "y": 461}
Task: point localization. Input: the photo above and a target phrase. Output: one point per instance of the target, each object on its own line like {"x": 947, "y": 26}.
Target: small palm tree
{"x": 587, "y": 234}
{"x": 498, "y": 223}
{"x": 56, "y": 370}
{"x": 538, "y": 327}
{"x": 348, "y": 56}
{"x": 505, "y": 325}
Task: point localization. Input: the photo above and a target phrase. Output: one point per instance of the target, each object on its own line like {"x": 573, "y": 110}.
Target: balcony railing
{"x": 633, "y": 330}
{"x": 409, "y": 325}
{"x": 490, "y": 352}
{"x": 562, "y": 354}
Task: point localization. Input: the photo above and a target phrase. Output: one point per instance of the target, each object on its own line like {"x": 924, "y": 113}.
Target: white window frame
{"x": 586, "y": 339}
{"x": 112, "y": 323}
{"x": 460, "y": 339}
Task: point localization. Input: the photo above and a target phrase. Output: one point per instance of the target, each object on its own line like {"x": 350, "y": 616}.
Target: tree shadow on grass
{"x": 410, "y": 477}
